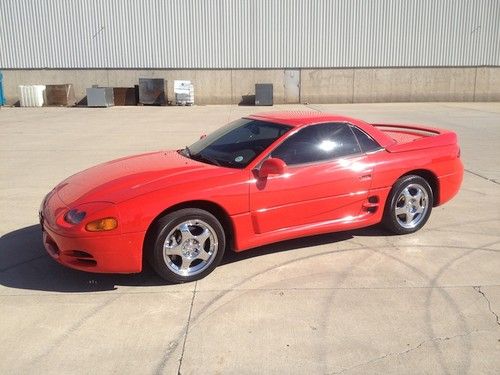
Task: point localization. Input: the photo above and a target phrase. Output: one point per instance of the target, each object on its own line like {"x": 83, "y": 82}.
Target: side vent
{"x": 371, "y": 204}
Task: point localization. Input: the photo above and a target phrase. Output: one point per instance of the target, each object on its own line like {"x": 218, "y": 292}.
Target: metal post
{"x": 2, "y": 98}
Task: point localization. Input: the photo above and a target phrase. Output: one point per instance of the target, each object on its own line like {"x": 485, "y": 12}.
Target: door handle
{"x": 365, "y": 177}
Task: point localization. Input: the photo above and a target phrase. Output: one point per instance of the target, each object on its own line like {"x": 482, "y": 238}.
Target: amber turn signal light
{"x": 102, "y": 225}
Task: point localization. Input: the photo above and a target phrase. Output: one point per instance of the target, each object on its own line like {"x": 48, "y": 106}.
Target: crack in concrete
{"x": 478, "y": 289}
{"x": 397, "y": 354}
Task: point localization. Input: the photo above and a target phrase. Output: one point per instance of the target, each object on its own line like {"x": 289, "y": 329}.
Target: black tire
{"x": 418, "y": 195}
{"x": 188, "y": 241}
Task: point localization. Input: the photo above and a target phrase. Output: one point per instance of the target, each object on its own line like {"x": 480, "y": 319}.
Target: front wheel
{"x": 409, "y": 205}
{"x": 186, "y": 245}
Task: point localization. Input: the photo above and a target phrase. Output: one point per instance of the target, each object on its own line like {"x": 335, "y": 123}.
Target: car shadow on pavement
{"x": 24, "y": 264}
{"x": 297, "y": 243}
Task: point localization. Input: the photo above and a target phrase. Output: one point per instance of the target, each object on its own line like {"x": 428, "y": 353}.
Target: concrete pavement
{"x": 354, "y": 302}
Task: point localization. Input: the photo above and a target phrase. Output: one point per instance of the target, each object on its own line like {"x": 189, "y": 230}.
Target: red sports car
{"x": 260, "y": 179}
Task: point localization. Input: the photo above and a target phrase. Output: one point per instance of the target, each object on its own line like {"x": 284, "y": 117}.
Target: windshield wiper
{"x": 202, "y": 157}
{"x": 188, "y": 151}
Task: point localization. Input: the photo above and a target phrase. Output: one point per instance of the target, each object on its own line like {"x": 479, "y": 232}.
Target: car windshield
{"x": 236, "y": 144}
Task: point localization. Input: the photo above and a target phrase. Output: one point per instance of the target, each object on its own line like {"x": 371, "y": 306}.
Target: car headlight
{"x": 74, "y": 216}
{"x": 90, "y": 217}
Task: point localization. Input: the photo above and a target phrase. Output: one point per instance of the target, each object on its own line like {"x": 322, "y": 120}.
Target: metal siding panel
{"x": 248, "y": 34}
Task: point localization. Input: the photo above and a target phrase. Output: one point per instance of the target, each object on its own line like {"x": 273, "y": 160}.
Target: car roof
{"x": 303, "y": 118}
{"x": 299, "y": 118}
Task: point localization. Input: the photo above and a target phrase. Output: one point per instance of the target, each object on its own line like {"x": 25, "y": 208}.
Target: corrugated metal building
{"x": 325, "y": 43}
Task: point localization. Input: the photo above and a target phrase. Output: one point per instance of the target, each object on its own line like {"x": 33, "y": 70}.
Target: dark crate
{"x": 152, "y": 91}
{"x": 60, "y": 95}
{"x": 125, "y": 95}
{"x": 264, "y": 94}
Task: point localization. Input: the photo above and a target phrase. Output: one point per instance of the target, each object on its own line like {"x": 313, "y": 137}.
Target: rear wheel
{"x": 409, "y": 205}
{"x": 186, "y": 245}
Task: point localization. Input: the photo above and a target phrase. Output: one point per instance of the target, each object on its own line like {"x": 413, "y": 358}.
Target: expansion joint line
{"x": 481, "y": 176}
{"x": 187, "y": 328}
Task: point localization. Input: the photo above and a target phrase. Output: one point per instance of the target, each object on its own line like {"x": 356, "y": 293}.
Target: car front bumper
{"x": 93, "y": 252}
{"x": 109, "y": 254}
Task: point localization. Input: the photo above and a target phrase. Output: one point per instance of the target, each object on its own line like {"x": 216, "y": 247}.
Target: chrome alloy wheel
{"x": 411, "y": 206}
{"x": 190, "y": 247}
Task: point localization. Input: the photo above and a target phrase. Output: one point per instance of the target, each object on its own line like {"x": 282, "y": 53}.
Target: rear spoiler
{"x": 426, "y": 137}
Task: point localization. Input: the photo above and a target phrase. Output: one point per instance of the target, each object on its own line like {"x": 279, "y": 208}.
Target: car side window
{"x": 366, "y": 142}
{"x": 317, "y": 143}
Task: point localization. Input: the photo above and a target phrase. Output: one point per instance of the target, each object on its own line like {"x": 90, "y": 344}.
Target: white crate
{"x": 32, "y": 95}
{"x": 184, "y": 92}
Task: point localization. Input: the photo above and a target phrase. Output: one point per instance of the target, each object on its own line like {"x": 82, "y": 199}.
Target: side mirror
{"x": 272, "y": 166}
{"x": 203, "y": 136}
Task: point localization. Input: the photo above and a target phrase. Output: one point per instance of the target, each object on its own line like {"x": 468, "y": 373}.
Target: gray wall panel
{"x": 248, "y": 34}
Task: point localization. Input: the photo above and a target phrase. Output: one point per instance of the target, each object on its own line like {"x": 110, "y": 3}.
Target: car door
{"x": 327, "y": 179}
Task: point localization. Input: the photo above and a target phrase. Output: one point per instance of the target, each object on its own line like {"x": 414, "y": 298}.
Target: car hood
{"x": 125, "y": 178}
